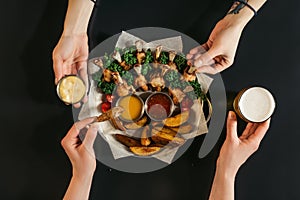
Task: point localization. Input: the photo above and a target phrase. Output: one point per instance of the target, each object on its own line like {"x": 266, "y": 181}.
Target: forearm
{"x": 241, "y": 16}
{"x": 223, "y": 185}
{"x": 77, "y": 17}
{"x": 79, "y": 188}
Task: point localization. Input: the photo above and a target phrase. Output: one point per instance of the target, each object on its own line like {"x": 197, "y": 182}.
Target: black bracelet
{"x": 246, "y": 4}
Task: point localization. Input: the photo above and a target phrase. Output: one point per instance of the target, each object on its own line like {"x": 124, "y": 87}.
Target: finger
{"x": 189, "y": 56}
{"x": 260, "y": 131}
{"x": 204, "y": 59}
{"x": 246, "y": 132}
{"x": 195, "y": 50}
{"x": 82, "y": 68}
{"x": 212, "y": 68}
{"x": 74, "y": 131}
{"x": 231, "y": 125}
{"x": 58, "y": 68}
{"x": 72, "y": 69}
{"x": 207, "y": 69}
{"x": 205, "y": 46}
{"x": 253, "y": 128}
{"x": 90, "y": 136}
{"x": 77, "y": 105}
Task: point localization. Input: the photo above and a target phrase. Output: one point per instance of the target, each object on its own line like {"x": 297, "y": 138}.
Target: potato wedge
{"x": 127, "y": 141}
{"x": 163, "y": 138}
{"x": 177, "y": 120}
{"x": 156, "y": 145}
{"x": 183, "y": 129}
{"x": 145, "y": 140}
{"x": 165, "y": 130}
{"x": 138, "y": 124}
{"x": 177, "y": 141}
{"x": 144, "y": 151}
{"x": 117, "y": 124}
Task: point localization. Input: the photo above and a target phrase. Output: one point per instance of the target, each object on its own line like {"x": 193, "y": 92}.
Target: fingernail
{"x": 232, "y": 115}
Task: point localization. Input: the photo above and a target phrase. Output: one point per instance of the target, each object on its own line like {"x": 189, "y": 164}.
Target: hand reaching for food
{"x": 219, "y": 51}
{"x": 82, "y": 157}
{"x": 217, "y": 54}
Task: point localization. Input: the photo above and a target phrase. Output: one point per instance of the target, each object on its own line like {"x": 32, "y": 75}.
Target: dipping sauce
{"x": 159, "y": 106}
{"x": 71, "y": 89}
{"x": 133, "y": 107}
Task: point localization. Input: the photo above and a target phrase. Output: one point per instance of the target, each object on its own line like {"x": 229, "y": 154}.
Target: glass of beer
{"x": 254, "y": 104}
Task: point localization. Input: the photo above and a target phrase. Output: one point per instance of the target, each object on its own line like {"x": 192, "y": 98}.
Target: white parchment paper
{"x": 106, "y": 130}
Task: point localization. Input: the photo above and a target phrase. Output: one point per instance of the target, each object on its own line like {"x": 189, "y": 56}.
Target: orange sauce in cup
{"x": 132, "y": 106}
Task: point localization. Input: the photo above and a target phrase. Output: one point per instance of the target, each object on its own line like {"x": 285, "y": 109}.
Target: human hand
{"x": 70, "y": 58}
{"x": 236, "y": 150}
{"x": 219, "y": 51}
{"x": 81, "y": 153}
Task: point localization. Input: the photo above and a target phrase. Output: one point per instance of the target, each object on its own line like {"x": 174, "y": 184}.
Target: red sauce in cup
{"x": 159, "y": 106}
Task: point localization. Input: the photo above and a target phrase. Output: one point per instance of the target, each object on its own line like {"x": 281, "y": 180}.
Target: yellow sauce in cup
{"x": 133, "y": 107}
{"x": 71, "y": 89}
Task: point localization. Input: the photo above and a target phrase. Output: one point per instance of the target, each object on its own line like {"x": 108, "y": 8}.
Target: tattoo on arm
{"x": 236, "y": 7}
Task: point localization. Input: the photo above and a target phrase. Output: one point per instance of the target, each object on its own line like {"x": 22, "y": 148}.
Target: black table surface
{"x": 33, "y": 120}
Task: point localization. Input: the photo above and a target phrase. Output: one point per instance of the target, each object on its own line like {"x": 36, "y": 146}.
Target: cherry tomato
{"x": 186, "y": 104}
{"x": 109, "y": 97}
{"x": 105, "y": 106}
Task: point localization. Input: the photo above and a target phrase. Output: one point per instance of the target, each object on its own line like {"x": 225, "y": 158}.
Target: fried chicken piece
{"x": 157, "y": 81}
{"x": 123, "y": 88}
{"x": 140, "y": 80}
{"x": 140, "y": 54}
{"x": 177, "y": 95}
{"x": 117, "y": 56}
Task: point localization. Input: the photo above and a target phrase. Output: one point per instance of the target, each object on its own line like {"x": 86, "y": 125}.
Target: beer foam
{"x": 257, "y": 104}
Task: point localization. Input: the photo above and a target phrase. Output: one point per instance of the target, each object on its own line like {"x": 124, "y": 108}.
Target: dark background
{"x": 33, "y": 120}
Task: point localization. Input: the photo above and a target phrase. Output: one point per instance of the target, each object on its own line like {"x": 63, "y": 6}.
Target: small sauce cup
{"x": 71, "y": 89}
{"x": 133, "y": 107}
{"x": 159, "y": 106}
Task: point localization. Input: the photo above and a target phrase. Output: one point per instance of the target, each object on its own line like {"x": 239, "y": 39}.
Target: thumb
{"x": 82, "y": 69}
{"x": 58, "y": 68}
{"x": 231, "y": 125}
{"x": 90, "y": 137}
{"x": 205, "y": 63}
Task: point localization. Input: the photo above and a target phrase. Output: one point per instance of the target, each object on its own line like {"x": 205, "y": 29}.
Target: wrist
{"x": 227, "y": 171}
{"x": 242, "y": 16}
{"x": 77, "y": 17}
{"x": 82, "y": 35}
{"x": 239, "y": 20}
{"x": 83, "y": 178}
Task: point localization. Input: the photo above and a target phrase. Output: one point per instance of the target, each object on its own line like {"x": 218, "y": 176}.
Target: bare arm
{"x": 71, "y": 52}
{"x": 234, "y": 152}
{"x": 82, "y": 157}
{"x": 77, "y": 17}
{"x": 223, "y": 41}
{"x": 78, "y": 189}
